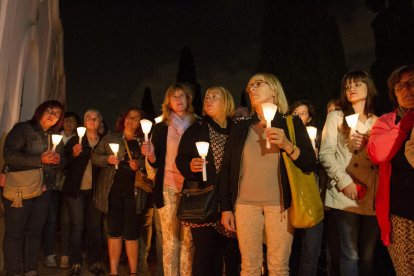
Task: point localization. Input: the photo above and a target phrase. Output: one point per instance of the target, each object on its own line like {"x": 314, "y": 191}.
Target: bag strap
{"x": 291, "y": 128}
{"x": 127, "y": 149}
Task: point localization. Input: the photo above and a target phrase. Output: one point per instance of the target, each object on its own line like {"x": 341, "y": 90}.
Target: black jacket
{"x": 76, "y": 166}
{"x": 230, "y": 172}
{"x": 187, "y": 150}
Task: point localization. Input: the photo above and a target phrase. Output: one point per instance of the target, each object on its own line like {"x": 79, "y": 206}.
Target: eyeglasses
{"x": 53, "y": 112}
{"x": 402, "y": 85}
{"x": 353, "y": 85}
{"x": 256, "y": 84}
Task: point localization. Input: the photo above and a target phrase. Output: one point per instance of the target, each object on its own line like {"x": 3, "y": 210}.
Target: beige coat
{"x": 335, "y": 155}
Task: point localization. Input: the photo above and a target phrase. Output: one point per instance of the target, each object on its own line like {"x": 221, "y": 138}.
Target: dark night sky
{"x": 113, "y": 49}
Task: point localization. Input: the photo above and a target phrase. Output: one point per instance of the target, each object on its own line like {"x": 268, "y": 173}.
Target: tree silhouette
{"x": 394, "y": 43}
{"x": 301, "y": 45}
{"x": 243, "y": 99}
{"x": 187, "y": 73}
{"x": 147, "y": 105}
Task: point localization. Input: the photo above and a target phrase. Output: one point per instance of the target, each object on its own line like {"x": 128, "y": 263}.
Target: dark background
{"x": 115, "y": 50}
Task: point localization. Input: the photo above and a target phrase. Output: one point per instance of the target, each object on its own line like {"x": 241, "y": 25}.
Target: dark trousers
{"x": 83, "y": 213}
{"x": 23, "y": 235}
{"x": 209, "y": 252}
{"x": 310, "y": 249}
{"x": 49, "y": 231}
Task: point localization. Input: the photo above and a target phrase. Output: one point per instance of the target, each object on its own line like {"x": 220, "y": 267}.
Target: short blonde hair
{"x": 101, "y": 126}
{"x": 227, "y": 97}
{"x": 274, "y": 83}
{"x": 166, "y": 107}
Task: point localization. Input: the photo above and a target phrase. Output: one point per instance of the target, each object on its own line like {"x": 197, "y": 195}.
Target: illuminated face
{"x": 178, "y": 102}
{"x": 92, "y": 121}
{"x": 50, "y": 117}
{"x": 214, "y": 104}
{"x": 259, "y": 91}
{"x": 404, "y": 91}
{"x": 303, "y": 112}
{"x": 356, "y": 91}
{"x": 132, "y": 121}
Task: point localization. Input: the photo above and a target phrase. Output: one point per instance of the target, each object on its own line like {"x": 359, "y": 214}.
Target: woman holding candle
{"x": 28, "y": 146}
{"x": 310, "y": 238}
{"x": 214, "y": 128}
{"x": 161, "y": 151}
{"x": 78, "y": 190}
{"x": 355, "y": 216}
{"x": 390, "y": 146}
{"x": 253, "y": 180}
{"x": 115, "y": 189}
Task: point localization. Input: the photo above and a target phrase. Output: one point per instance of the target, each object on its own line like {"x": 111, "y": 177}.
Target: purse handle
{"x": 291, "y": 128}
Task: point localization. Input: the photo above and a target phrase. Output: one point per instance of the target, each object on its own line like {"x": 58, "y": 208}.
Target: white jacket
{"x": 335, "y": 155}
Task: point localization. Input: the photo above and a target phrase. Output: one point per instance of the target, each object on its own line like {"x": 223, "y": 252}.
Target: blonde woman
{"x": 214, "y": 128}
{"x": 254, "y": 188}
{"x": 161, "y": 151}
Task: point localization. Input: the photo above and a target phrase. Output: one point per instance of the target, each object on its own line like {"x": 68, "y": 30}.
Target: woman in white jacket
{"x": 358, "y": 229}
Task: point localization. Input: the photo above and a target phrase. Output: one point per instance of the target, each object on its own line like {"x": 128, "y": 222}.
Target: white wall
{"x": 31, "y": 58}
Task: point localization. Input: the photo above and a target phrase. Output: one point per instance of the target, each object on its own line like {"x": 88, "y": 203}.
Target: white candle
{"x": 202, "y": 148}
{"x": 352, "y": 121}
{"x": 158, "y": 119}
{"x": 312, "y": 135}
{"x": 115, "y": 148}
{"x": 269, "y": 111}
{"x": 81, "y": 132}
{"x": 146, "y": 127}
{"x": 56, "y": 138}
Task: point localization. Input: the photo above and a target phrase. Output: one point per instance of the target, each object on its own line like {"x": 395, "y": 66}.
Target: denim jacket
{"x": 23, "y": 149}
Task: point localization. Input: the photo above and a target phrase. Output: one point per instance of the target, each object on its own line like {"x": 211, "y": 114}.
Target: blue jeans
{"x": 49, "y": 231}
{"x": 82, "y": 212}
{"x": 23, "y": 235}
{"x": 358, "y": 235}
{"x": 310, "y": 249}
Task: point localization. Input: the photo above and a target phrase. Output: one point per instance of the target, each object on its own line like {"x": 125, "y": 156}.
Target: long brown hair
{"x": 166, "y": 107}
{"x": 346, "y": 106}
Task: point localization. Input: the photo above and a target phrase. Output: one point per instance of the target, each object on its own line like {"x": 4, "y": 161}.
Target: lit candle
{"x": 352, "y": 121}
{"x": 159, "y": 119}
{"x": 269, "y": 111}
{"x": 56, "y": 138}
{"x": 115, "y": 148}
{"x": 202, "y": 148}
{"x": 146, "y": 127}
{"x": 312, "y": 135}
{"x": 81, "y": 132}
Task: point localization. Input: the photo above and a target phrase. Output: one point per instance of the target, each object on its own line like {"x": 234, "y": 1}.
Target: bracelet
{"x": 293, "y": 150}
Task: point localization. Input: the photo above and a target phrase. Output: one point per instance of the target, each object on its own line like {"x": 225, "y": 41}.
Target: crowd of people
{"x": 100, "y": 196}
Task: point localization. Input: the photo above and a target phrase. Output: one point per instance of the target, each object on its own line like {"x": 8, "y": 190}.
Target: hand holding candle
{"x": 146, "y": 127}
{"x": 269, "y": 111}
{"x": 81, "y": 132}
{"x": 115, "y": 148}
{"x": 202, "y": 148}
{"x": 312, "y": 135}
{"x": 56, "y": 138}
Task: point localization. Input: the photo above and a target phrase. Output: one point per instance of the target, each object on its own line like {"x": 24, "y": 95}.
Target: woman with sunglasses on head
{"x": 388, "y": 147}
{"x": 354, "y": 211}
{"x": 161, "y": 151}
{"x": 29, "y": 146}
{"x": 214, "y": 128}
{"x": 254, "y": 189}
{"x": 115, "y": 189}
{"x": 78, "y": 190}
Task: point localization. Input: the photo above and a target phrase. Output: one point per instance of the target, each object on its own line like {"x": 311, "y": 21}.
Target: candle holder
{"x": 56, "y": 138}
{"x": 269, "y": 111}
{"x": 352, "y": 121}
{"x": 312, "y": 135}
{"x": 81, "y": 132}
{"x": 146, "y": 127}
{"x": 115, "y": 148}
{"x": 202, "y": 148}
{"x": 159, "y": 119}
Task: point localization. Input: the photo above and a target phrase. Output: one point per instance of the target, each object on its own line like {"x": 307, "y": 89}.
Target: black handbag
{"x": 198, "y": 205}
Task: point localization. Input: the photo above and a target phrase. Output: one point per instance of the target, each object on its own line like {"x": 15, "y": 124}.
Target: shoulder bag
{"x": 23, "y": 185}
{"x": 198, "y": 205}
{"x": 307, "y": 209}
